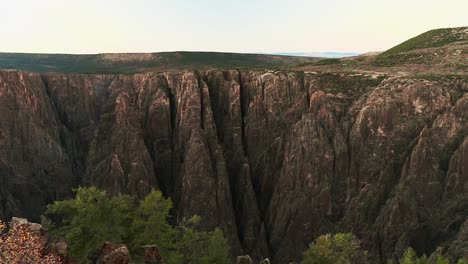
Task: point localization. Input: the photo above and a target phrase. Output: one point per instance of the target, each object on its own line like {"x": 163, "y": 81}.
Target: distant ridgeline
{"x": 319, "y": 54}
{"x": 145, "y": 62}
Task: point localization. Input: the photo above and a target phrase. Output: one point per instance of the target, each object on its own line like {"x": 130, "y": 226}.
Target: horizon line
{"x": 280, "y": 53}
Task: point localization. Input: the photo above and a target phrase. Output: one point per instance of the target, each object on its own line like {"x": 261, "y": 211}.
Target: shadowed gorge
{"x": 273, "y": 158}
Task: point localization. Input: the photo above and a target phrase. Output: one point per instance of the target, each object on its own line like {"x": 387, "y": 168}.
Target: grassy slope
{"x": 430, "y": 39}
{"x": 412, "y": 51}
{"x": 132, "y": 63}
{"x": 404, "y": 52}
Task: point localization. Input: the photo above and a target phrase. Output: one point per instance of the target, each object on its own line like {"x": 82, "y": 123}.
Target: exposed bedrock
{"x": 274, "y": 159}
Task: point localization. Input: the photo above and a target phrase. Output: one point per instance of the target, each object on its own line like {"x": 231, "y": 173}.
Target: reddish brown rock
{"x": 34, "y": 164}
{"x": 60, "y": 249}
{"x": 152, "y": 255}
{"x": 272, "y": 158}
{"x": 114, "y": 254}
{"x": 205, "y": 187}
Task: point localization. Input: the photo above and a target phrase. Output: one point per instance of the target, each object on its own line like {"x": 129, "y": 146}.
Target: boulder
{"x": 244, "y": 260}
{"x": 152, "y": 255}
{"x": 114, "y": 254}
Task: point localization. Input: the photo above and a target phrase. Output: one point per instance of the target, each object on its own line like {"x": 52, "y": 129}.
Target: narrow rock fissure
{"x": 60, "y": 117}
{"x": 202, "y": 107}
{"x": 172, "y": 104}
{"x": 243, "y": 110}
{"x": 173, "y": 116}
{"x": 290, "y": 100}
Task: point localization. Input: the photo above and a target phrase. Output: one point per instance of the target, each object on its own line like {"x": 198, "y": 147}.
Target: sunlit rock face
{"x": 274, "y": 159}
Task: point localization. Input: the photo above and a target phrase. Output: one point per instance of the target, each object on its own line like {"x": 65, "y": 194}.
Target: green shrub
{"x": 410, "y": 257}
{"x": 93, "y": 217}
{"x": 335, "y": 249}
{"x": 89, "y": 220}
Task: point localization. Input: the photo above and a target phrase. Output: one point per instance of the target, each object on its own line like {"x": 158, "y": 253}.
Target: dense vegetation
{"x": 93, "y": 217}
{"x": 345, "y": 249}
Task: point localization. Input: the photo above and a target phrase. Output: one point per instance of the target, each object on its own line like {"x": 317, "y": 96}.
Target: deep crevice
{"x": 290, "y": 99}
{"x": 173, "y": 115}
{"x": 172, "y": 103}
{"x": 218, "y": 103}
{"x": 202, "y": 107}
{"x": 243, "y": 110}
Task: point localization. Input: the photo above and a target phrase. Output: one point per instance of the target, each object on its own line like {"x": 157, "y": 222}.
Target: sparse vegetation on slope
{"x": 397, "y": 59}
{"x": 328, "y": 61}
{"x": 431, "y": 39}
{"x": 144, "y": 62}
{"x": 412, "y": 51}
{"x": 351, "y": 85}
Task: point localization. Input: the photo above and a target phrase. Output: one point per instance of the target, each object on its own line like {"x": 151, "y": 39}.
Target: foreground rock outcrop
{"x": 114, "y": 254}
{"x": 273, "y": 158}
{"x": 26, "y": 242}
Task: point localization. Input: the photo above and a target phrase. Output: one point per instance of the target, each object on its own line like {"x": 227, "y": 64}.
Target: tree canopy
{"x": 94, "y": 217}
{"x": 335, "y": 249}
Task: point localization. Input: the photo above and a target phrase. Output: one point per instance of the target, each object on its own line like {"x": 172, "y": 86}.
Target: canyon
{"x": 274, "y": 158}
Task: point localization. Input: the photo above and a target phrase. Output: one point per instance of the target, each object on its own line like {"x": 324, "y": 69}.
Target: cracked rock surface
{"x": 274, "y": 159}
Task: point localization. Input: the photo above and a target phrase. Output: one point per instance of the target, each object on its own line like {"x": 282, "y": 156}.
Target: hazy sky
{"x": 97, "y": 26}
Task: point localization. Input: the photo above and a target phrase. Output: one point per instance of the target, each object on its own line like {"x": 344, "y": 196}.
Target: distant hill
{"x": 319, "y": 54}
{"x": 431, "y": 39}
{"x": 435, "y": 52}
{"x": 145, "y": 62}
{"x": 445, "y": 47}
{"x": 439, "y": 50}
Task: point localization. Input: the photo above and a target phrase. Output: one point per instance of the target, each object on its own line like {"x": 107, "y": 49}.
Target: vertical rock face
{"x": 309, "y": 192}
{"x": 34, "y": 165}
{"x": 274, "y": 159}
{"x": 383, "y": 137}
{"x": 248, "y": 216}
{"x": 433, "y": 185}
{"x": 205, "y": 187}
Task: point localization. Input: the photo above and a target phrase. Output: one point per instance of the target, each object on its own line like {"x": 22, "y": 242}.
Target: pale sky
{"x": 253, "y": 26}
